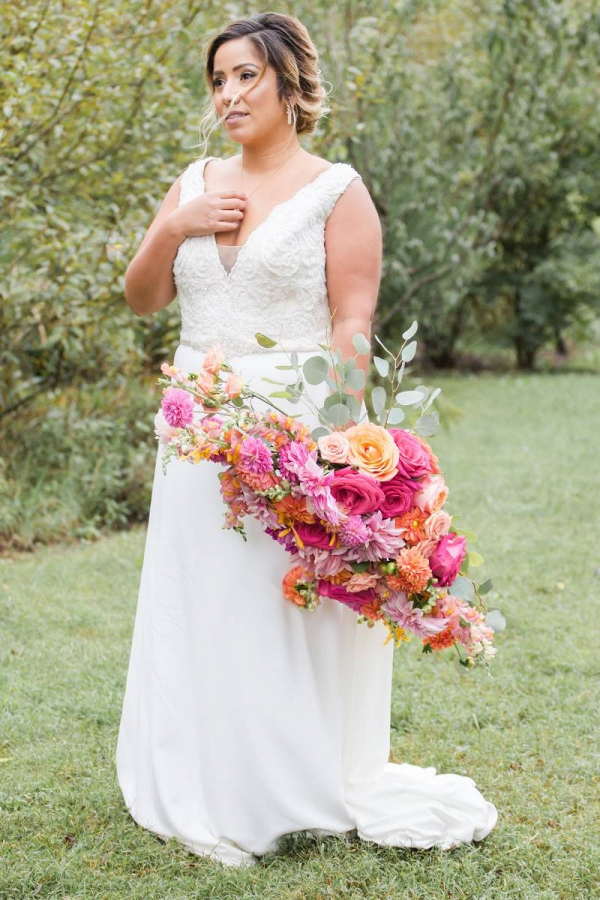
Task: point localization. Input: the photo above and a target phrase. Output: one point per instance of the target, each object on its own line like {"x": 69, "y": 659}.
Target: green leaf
{"x": 486, "y": 587}
{"x": 378, "y": 399}
{"x": 333, "y": 399}
{"x": 470, "y": 535}
{"x": 410, "y": 331}
{"x": 495, "y": 619}
{"x": 408, "y": 398}
{"x": 355, "y": 379}
{"x": 265, "y": 341}
{"x": 283, "y": 394}
{"x": 361, "y": 344}
{"x": 427, "y": 424}
{"x": 316, "y": 433}
{"x": 434, "y": 394}
{"x": 353, "y": 405}
{"x": 396, "y": 416}
{"x": 382, "y": 366}
{"x": 285, "y": 368}
{"x": 409, "y": 351}
{"x": 338, "y": 414}
{"x": 294, "y": 358}
{"x": 315, "y": 369}
{"x": 475, "y": 559}
{"x": 462, "y": 587}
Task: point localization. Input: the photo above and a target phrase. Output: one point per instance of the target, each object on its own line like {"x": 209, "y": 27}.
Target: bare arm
{"x": 353, "y": 242}
{"x": 149, "y": 282}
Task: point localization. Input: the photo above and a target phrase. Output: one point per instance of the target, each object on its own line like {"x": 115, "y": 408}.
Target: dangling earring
{"x": 289, "y": 111}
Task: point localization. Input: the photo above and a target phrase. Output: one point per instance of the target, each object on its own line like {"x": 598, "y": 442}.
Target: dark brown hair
{"x": 283, "y": 43}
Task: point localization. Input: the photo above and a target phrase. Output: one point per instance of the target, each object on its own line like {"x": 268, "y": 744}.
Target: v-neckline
{"x": 242, "y": 247}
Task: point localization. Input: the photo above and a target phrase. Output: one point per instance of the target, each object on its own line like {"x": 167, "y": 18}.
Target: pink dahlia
{"x": 383, "y": 540}
{"x": 405, "y": 613}
{"x": 354, "y": 532}
{"x": 255, "y": 457}
{"x": 178, "y": 407}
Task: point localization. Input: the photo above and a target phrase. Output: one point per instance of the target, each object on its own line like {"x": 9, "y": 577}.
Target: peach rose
{"x": 373, "y": 451}
{"x": 213, "y": 359}
{"x": 234, "y": 385}
{"x": 334, "y": 447}
{"x": 437, "y": 525}
{"x": 432, "y": 495}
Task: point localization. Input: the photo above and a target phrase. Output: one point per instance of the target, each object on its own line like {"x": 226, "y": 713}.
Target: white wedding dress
{"x": 245, "y": 718}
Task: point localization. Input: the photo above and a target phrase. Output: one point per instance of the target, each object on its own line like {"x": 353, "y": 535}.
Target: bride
{"x": 245, "y": 718}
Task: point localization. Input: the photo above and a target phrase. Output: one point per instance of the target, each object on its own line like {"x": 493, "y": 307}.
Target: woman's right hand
{"x": 208, "y": 213}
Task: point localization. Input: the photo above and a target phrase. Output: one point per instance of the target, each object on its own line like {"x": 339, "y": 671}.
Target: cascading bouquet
{"x": 360, "y": 510}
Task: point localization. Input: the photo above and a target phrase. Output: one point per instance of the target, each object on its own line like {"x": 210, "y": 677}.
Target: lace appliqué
{"x": 277, "y": 285}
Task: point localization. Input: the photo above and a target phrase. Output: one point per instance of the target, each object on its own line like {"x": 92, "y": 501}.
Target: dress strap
{"x": 191, "y": 183}
{"x": 334, "y": 184}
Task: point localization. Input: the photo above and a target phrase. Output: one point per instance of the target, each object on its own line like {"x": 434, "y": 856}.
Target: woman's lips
{"x": 236, "y": 117}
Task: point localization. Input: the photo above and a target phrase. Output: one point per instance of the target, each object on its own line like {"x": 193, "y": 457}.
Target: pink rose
{"x": 414, "y": 459}
{"x": 313, "y": 535}
{"x": 446, "y": 559}
{"x": 398, "y": 496}
{"x": 334, "y": 447}
{"x": 432, "y": 493}
{"x": 437, "y": 525}
{"x": 178, "y": 407}
{"x": 338, "y": 592}
{"x": 355, "y": 492}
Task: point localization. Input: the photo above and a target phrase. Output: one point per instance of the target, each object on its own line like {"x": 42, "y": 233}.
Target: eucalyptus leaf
{"x": 396, "y": 416}
{"x": 486, "y": 587}
{"x": 409, "y": 351}
{"x": 294, "y": 359}
{"x": 285, "y": 368}
{"x": 462, "y": 587}
{"x": 338, "y": 414}
{"x": 333, "y": 399}
{"x": 427, "y": 424}
{"x": 495, "y": 620}
{"x": 378, "y": 399}
{"x": 355, "y": 379}
{"x": 316, "y": 433}
{"x": 361, "y": 344}
{"x": 265, "y": 341}
{"x": 434, "y": 394}
{"x": 285, "y": 395}
{"x": 315, "y": 369}
{"x": 408, "y": 398}
{"x": 349, "y": 364}
{"x": 353, "y": 405}
{"x": 382, "y": 366}
{"x": 410, "y": 331}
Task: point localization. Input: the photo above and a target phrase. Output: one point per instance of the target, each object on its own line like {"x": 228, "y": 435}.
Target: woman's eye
{"x": 218, "y": 80}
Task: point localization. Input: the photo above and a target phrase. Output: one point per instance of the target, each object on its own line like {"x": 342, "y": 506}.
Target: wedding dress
{"x": 245, "y": 718}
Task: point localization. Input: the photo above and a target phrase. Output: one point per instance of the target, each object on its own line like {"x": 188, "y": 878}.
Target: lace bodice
{"x": 277, "y": 284}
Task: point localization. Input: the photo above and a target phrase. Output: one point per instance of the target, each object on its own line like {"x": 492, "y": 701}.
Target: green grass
{"x": 522, "y": 467}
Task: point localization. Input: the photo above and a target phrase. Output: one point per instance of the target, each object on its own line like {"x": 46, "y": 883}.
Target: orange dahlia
{"x": 442, "y": 640}
{"x": 413, "y": 571}
{"x": 411, "y": 525}
{"x": 290, "y": 581}
{"x": 295, "y": 509}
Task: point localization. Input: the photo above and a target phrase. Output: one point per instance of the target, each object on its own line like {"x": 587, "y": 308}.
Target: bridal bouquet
{"x": 360, "y": 511}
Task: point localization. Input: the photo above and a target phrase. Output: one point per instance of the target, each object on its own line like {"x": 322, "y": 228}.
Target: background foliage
{"x": 475, "y": 126}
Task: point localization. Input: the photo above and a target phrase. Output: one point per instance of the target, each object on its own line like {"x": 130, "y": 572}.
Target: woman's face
{"x": 236, "y": 68}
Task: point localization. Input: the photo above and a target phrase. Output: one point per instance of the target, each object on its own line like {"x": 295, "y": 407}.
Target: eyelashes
{"x": 217, "y": 80}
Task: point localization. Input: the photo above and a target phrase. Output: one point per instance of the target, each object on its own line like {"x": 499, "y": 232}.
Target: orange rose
{"x": 373, "y": 451}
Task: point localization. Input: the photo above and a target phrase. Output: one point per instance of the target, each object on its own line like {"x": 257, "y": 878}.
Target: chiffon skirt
{"x": 245, "y": 718}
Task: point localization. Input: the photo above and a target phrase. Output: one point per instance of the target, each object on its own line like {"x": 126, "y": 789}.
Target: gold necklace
{"x": 269, "y": 175}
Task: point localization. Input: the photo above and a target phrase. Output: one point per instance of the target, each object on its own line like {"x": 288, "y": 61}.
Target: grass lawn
{"x": 522, "y": 468}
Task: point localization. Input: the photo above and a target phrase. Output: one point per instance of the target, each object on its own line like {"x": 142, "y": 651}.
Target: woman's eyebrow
{"x": 241, "y": 66}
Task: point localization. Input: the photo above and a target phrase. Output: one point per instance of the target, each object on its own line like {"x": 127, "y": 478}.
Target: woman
{"x": 244, "y": 718}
